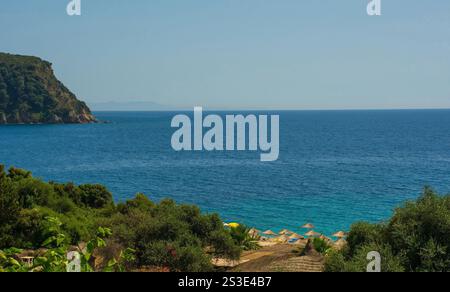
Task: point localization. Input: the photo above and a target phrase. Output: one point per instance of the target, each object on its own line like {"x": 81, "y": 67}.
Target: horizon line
{"x": 281, "y": 109}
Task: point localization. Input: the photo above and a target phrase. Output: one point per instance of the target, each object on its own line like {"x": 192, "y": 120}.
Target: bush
{"x": 363, "y": 233}
{"x": 415, "y": 239}
{"x": 336, "y": 262}
{"x": 55, "y": 256}
{"x": 96, "y": 196}
{"x": 171, "y": 236}
{"x": 242, "y": 237}
{"x": 18, "y": 174}
{"x": 421, "y": 233}
{"x": 321, "y": 245}
{"x": 178, "y": 237}
{"x": 25, "y": 201}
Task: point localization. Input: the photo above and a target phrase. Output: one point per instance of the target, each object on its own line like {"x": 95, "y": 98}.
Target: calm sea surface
{"x": 335, "y": 167}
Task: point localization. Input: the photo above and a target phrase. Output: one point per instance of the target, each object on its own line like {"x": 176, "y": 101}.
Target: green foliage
{"x": 25, "y": 201}
{"x": 8, "y": 263}
{"x": 56, "y": 259}
{"x": 35, "y": 214}
{"x": 95, "y": 196}
{"x": 363, "y": 233}
{"x": 126, "y": 259}
{"x": 242, "y": 237}
{"x": 9, "y": 209}
{"x": 18, "y": 174}
{"x": 30, "y": 93}
{"x": 171, "y": 236}
{"x": 321, "y": 245}
{"x": 415, "y": 239}
{"x": 421, "y": 232}
{"x": 338, "y": 262}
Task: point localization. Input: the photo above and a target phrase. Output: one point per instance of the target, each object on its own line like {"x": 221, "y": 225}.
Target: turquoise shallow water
{"x": 335, "y": 167}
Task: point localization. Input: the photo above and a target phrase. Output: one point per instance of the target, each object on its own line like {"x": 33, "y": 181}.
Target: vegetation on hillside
{"x": 58, "y": 256}
{"x": 57, "y": 218}
{"x": 164, "y": 235}
{"x": 415, "y": 239}
{"x": 30, "y": 93}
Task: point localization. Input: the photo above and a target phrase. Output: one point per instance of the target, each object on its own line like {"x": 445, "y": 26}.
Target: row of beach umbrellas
{"x": 290, "y": 234}
{"x": 293, "y": 235}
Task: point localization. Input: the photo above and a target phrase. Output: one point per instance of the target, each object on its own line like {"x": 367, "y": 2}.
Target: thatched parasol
{"x": 326, "y": 239}
{"x": 270, "y": 233}
{"x": 282, "y": 238}
{"x": 312, "y": 233}
{"x": 340, "y": 234}
{"x": 308, "y": 226}
{"x": 285, "y": 232}
{"x": 296, "y": 236}
{"x": 340, "y": 244}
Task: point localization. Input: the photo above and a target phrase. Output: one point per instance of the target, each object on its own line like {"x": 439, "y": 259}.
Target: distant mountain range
{"x": 130, "y": 106}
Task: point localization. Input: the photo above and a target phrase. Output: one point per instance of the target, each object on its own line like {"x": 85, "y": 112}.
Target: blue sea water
{"x": 335, "y": 167}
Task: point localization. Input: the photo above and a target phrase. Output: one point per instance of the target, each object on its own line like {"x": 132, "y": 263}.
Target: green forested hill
{"x": 164, "y": 234}
{"x": 30, "y": 93}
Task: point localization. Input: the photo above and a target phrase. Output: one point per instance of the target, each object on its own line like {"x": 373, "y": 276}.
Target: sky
{"x": 271, "y": 54}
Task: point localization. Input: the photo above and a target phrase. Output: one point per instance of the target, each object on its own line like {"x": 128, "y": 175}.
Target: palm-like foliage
{"x": 243, "y": 237}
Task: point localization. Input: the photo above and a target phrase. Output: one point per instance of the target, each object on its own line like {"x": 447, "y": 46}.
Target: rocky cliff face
{"x": 30, "y": 94}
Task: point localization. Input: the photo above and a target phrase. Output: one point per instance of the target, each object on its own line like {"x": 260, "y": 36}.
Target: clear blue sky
{"x": 299, "y": 54}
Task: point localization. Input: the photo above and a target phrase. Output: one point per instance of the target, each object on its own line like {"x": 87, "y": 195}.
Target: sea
{"x": 335, "y": 167}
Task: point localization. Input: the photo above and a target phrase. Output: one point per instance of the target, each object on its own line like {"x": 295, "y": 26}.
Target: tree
{"x": 415, "y": 239}
{"x": 165, "y": 234}
{"x": 9, "y": 209}
{"x": 96, "y": 196}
